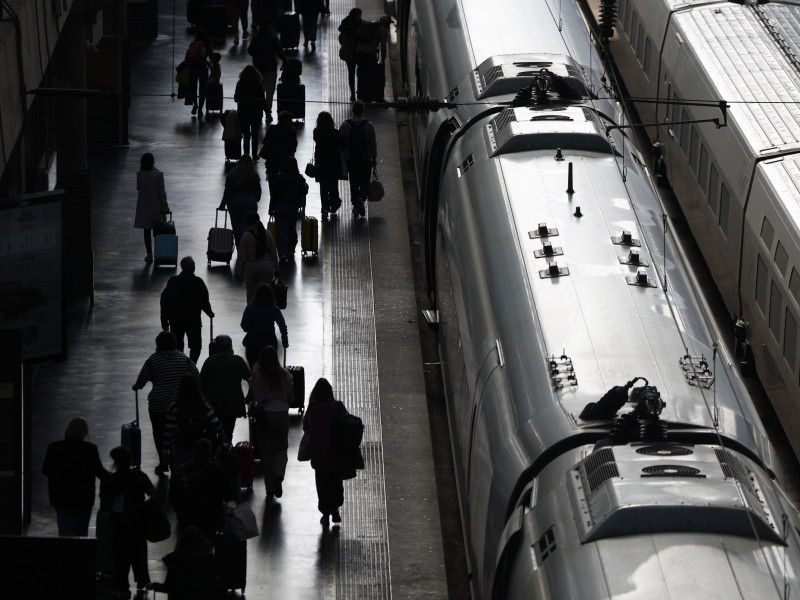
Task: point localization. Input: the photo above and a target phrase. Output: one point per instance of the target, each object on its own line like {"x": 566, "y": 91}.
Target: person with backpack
{"x": 221, "y": 381}
{"x": 197, "y": 56}
{"x": 331, "y": 459}
{"x": 280, "y": 142}
{"x": 347, "y": 47}
{"x": 257, "y": 258}
{"x": 189, "y": 418}
{"x": 265, "y": 48}
{"x": 258, "y": 322}
{"x": 361, "y": 146}
{"x": 288, "y": 199}
{"x": 164, "y": 368}
{"x": 370, "y": 36}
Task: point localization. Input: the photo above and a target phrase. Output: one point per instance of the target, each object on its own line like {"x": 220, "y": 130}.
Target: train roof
{"x": 745, "y": 67}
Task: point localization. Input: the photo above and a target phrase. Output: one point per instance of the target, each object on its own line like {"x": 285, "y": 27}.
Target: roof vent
{"x": 671, "y": 471}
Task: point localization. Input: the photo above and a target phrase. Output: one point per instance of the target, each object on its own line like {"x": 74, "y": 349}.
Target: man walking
{"x": 362, "y": 154}
{"x": 265, "y": 48}
{"x": 188, "y": 296}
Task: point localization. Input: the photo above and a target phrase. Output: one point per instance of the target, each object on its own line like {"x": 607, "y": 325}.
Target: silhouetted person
{"x": 194, "y": 299}
{"x": 71, "y": 466}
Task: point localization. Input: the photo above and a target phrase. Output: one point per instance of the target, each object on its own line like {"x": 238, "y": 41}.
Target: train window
{"x": 775, "y": 310}
{"x": 640, "y": 39}
{"x": 761, "y": 285}
{"x": 649, "y": 53}
{"x": 794, "y": 285}
{"x": 713, "y": 189}
{"x": 781, "y": 259}
{"x": 685, "y": 133}
{"x": 790, "y": 340}
{"x": 545, "y": 546}
{"x": 702, "y": 173}
{"x": 724, "y": 206}
{"x": 634, "y": 29}
{"x": 694, "y": 152}
{"x": 767, "y": 233}
{"x": 625, "y": 11}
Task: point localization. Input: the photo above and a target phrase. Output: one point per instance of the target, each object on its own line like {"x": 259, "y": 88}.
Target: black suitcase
{"x": 299, "y": 378}
{"x": 214, "y": 96}
{"x": 220, "y": 241}
{"x": 215, "y": 22}
{"x": 231, "y": 557}
{"x": 292, "y": 97}
{"x": 371, "y": 82}
{"x": 289, "y": 30}
{"x": 233, "y": 149}
{"x": 131, "y": 436}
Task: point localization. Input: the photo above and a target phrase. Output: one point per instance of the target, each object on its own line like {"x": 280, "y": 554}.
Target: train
{"x": 738, "y": 184}
{"x": 603, "y": 440}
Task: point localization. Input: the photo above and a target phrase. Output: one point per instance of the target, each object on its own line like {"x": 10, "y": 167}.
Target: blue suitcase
{"x": 165, "y": 249}
{"x": 132, "y": 436}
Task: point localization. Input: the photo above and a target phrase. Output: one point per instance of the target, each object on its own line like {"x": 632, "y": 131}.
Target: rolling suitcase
{"x": 251, "y": 426}
{"x": 246, "y": 454}
{"x": 309, "y": 235}
{"x": 215, "y": 22}
{"x": 289, "y": 30}
{"x": 230, "y": 555}
{"x": 220, "y": 241}
{"x": 214, "y": 94}
{"x": 292, "y": 97}
{"x": 299, "y": 378}
{"x": 233, "y": 149}
{"x": 131, "y": 436}
{"x": 165, "y": 243}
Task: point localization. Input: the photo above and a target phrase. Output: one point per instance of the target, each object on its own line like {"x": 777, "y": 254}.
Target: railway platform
{"x": 352, "y": 317}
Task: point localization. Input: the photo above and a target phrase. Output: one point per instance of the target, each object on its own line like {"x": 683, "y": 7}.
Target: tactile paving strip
{"x": 362, "y": 546}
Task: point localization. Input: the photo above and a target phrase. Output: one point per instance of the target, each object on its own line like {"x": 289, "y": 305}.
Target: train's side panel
{"x": 722, "y": 177}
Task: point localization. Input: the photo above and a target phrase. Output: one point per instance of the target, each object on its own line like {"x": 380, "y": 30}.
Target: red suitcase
{"x": 220, "y": 241}
{"x": 244, "y": 450}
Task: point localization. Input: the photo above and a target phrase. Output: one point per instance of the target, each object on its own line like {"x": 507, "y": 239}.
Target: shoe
{"x": 236, "y": 41}
{"x": 148, "y": 258}
{"x": 324, "y": 216}
{"x": 244, "y": 34}
{"x": 162, "y": 470}
{"x": 278, "y": 490}
{"x": 325, "y": 520}
{"x": 313, "y": 46}
{"x": 352, "y": 97}
{"x": 305, "y": 46}
{"x": 362, "y": 211}
{"x": 200, "y": 113}
{"x": 194, "y": 109}
{"x": 336, "y": 517}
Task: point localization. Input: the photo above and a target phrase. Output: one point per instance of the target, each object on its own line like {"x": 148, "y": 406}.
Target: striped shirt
{"x": 165, "y": 370}
{"x": 171, "y": 429}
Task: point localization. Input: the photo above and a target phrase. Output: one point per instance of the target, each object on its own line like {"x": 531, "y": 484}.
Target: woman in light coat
{"x": 152, "y": 200}
{"x": 257, "y": 259}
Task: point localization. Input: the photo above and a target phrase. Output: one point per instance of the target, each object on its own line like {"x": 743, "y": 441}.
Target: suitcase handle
{"x": 216, "y": 217}
{"x": 136, "y": 393}
{"x": 164, "y": 214}
{"x": 211, "y": 329}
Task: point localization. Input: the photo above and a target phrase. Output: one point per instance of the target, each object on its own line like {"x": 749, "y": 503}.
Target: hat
{"x": 386, "y": 20}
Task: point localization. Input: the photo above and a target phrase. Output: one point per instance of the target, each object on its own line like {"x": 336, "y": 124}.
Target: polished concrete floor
{"x": 352, "y": 318}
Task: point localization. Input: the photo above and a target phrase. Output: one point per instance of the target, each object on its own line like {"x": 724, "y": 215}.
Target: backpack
{"x": 367, "y": 30}
{"x": 357, "y": 140}
{"x": 172, "y": 301}
{"x": 347, "y": 433}
{"x": 196, "y": 51}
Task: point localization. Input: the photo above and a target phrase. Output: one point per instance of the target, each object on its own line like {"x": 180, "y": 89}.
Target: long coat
{"x": 152, "y": 198}
{"x": 329, "y": 154}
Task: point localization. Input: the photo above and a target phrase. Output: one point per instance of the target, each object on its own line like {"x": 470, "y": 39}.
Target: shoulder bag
{"x": 156, "y": 524}
{"x": 311, "y": 168}
{"x": 375, "y": 190}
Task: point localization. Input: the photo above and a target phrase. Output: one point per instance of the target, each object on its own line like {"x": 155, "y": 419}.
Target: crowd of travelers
{"x": 193, "y": 412}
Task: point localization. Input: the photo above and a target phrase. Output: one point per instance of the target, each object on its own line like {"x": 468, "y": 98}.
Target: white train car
{"x": 739, "y": 185}
{"x": 603, "y": 448}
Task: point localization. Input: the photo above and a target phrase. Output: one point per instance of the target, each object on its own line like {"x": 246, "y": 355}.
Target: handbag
{"x": 281, "y": 292}
{"x": 304, "y": 450}
{"x": 240, "y": 521}
{"x": 311, "y": 168}
{"x": 375, "y": 190}
{"x": 156, "y": 524}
